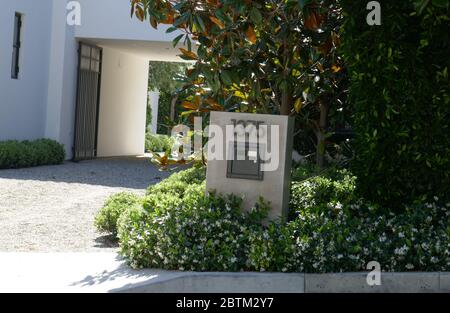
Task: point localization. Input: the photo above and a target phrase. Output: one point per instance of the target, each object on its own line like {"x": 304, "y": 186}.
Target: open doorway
{"x": 164, "y": 85}
{"x": 112, "y": 120}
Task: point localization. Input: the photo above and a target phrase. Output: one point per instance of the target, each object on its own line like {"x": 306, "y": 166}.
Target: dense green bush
{"x": 400, "y": 94}
{"x": 179, "y": 181}
{"x": 106, "y": 219}
{"x": 181, "y": 187}
{"x": 19, "y": 154}
{"x": 330, "y": 230}
{"x": 158, "y": 143}
{"x": 186, "y": 185}
{"x": 205, "y": 234}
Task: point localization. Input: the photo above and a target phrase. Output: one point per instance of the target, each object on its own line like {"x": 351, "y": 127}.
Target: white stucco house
{"x": 82, "y": 85}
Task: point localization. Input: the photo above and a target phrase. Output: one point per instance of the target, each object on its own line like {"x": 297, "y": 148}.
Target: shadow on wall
{"x": 125, "y": 172}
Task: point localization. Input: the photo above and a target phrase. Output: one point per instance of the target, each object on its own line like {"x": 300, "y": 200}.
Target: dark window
{"x": 16, "y": 46}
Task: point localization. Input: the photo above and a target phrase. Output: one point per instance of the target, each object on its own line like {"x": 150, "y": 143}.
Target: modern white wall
{"x": 23, "y": 101}
{"x": 110, "y": 19}
{"x": 61, "y": 93}
{"x": 123, "y": 104}
{"x": 41, "y": 103}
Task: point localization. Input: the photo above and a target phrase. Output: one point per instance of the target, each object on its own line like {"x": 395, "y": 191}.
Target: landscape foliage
{"x": 275, "y": 57}
{"x": 400, "y": 92}
{"x": 19, "y": 154}
{"x": 330, "y": 229}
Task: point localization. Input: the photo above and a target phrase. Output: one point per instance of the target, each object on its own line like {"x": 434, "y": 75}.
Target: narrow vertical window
{"x": 16, "y": 46}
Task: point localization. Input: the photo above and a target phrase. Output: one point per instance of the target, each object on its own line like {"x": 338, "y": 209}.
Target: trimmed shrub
{"x": 208, "y": 234}
{"x": 158, "y": 143}
{"x": 178, "y": 182}
{"x": 106, "y": 219}
{"x": 331, "y": 230}
{"x": 19, "y": 154}
{"x": 169, "y": 193}
{"x": 181, "y": 194}
{"x": 400, "y": 93}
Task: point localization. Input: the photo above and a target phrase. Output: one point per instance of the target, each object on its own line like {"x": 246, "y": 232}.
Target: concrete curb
{"x": 190, "y": 282}
{"x": 356, "y": 282}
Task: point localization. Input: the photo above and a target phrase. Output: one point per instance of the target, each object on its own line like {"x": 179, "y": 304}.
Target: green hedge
{"x": 400, "y": 93}
{"x": 106, "y": 219}
{"x": 178, "y": 188}
{"x": 158, "y": 143}
{"x": 330, "y": 230}
{"x": 19, "y": 154}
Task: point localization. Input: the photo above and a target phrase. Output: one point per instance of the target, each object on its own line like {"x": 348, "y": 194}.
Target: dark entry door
{"x": 87, "y": 102}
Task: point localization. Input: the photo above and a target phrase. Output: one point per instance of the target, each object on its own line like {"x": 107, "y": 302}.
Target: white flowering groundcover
{"x": 176, "y": 227}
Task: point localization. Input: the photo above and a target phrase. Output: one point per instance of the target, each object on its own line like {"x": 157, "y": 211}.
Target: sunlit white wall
{"x": 123, "y": 104}
{"x": 23, "y": 100}
{"x": 110, "y": 19}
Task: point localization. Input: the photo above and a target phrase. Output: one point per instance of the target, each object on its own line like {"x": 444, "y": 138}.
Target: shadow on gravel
{"x": 126, "y": 172}
{"x": 106, "y": 241}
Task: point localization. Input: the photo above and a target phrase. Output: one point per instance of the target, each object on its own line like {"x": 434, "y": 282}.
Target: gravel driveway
{"x": 52, "y": 208}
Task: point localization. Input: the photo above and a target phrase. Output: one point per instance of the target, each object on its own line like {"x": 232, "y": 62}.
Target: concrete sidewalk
{"x": 67, "y": 272}
{"x": 107, "y": 272}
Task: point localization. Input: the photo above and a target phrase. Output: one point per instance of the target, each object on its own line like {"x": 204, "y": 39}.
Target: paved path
{"x": 106, "y": 272}
{"x": 68, "y": 272}
{"x": 52, "y": 208}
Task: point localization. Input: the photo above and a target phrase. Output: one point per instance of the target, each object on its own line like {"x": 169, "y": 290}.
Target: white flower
{"x": 401, "y": 251}
{"x": 409, "y": 266}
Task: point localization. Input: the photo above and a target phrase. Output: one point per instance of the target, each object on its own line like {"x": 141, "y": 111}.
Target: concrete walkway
{"x": 52, "y": 208}
{"x": 66, "y": 272}
{"x": 107, "y": 272}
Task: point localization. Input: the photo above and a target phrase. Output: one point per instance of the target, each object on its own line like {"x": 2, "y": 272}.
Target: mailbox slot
{"x": 248, "y": 164}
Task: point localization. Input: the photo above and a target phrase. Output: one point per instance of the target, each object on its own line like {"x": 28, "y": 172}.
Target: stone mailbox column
{"x": 250, "y": 155}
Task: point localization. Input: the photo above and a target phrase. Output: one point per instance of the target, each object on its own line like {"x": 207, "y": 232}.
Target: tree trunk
{"x": 286, "y": 93}
{"x": 323, "y": 123}
{"x": 173, "y": 107}
{"x": 286, "y": 103}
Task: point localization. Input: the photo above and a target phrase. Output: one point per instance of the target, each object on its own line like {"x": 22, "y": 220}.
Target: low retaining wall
{"x": 190, "y": 282}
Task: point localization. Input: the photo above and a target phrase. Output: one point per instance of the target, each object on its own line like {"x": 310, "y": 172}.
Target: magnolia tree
{"x": 277, "y": 57}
